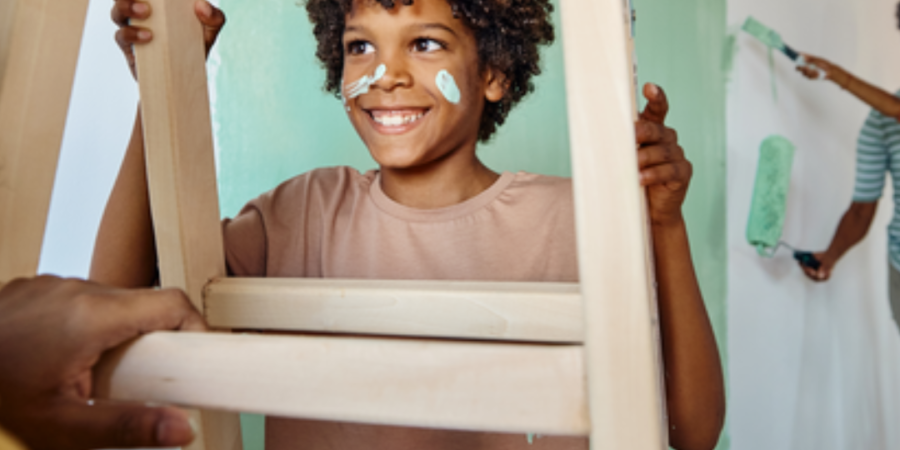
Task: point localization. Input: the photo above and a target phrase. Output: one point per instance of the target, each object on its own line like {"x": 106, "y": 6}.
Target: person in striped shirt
{"x": 877, "y": 153}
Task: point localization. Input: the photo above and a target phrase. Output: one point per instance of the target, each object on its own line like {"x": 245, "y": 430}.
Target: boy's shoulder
{"x": 320, "y": 185}
{"x": 542, "y": 185}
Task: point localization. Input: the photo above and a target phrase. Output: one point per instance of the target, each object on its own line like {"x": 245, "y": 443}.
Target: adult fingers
{"x": 119, "y": 315}
{"x": 118, "y": 425}
{"x": 816, "y": 61}
{"x": 659, "y": 154}
{"x": 808, "y": 72}
{"x": 212, "y": 19}
{"x": 649, "y": 132}
{"x": 657, "y": 104}
{"x": 810, "y": 273}
{"x": 676, "y": 173}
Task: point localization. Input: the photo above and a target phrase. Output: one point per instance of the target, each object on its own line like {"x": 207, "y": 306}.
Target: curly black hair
{"x": 508, "y": 33}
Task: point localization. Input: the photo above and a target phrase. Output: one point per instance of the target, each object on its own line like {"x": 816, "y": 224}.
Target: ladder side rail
{"x": 623, "y": 370}
{"x": 39, "y": 45}
{"x": 181, "y": 172}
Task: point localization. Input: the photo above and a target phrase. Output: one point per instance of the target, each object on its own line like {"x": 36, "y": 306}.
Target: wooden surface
{"x": 39, "y": 44}
{"x": 621, "y": 360}
{"x": 540, "y": 312}
{"x": 7, "y": 14}
{"x": 179, "y": 149}
{"x": 636, "y": 91}
{"x": 473, "y": 386}
{"x": 181, "y": 171}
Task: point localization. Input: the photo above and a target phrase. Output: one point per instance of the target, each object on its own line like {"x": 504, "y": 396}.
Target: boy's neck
{"x": 437, "y": 185}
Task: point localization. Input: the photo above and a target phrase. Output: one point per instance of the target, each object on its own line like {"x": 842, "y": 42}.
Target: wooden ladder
{"x": 548, "y": 358}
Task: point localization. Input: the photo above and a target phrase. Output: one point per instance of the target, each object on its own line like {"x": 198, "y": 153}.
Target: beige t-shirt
{"x": 338, "y": 223}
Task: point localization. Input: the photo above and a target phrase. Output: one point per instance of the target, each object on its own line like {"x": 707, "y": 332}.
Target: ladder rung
{"x": 536, "y": 312}
{"x": 503, "y": 387}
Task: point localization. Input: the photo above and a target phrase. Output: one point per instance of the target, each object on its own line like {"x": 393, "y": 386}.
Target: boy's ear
{"x": 496, "y": 86}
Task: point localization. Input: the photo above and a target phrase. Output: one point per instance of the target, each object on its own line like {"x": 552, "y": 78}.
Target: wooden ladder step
{"x": 523, "y": 388}
{"x": 534, "y": 312}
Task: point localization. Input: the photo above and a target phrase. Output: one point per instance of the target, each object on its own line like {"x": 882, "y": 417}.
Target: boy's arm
{"x": 125, "y": 250}
{"x": 853, "y": 228}
{"x": 695, "y": 388}
{"x": 879, "y": 99}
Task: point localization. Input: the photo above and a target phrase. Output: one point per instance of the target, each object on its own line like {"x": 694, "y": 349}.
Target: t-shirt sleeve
{"x": 872, "y": 159}
{"x": 245, "y": 243}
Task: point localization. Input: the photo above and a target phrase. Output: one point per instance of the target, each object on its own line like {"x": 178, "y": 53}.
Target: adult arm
{"x": 125, "y": 252}
{"x": 52, "y": 333}
{"x": 695, "y": 388}
{"x": 853, "y": 228}
{"x": 879, "y": 99}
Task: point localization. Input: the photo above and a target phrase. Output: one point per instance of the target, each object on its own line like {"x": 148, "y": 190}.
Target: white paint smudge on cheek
{"x": 447, "y": 85}
{"x": 361, "y": 86}
{"x": 344, "y": 99}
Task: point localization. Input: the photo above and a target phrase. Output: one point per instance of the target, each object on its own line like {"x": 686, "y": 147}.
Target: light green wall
{"x": 681, "y": 47}
{"x": 273, "y": 121}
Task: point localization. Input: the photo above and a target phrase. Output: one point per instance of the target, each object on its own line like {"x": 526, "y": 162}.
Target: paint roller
{"x": 769, "y": 204}
{"x": 773, "y": 40}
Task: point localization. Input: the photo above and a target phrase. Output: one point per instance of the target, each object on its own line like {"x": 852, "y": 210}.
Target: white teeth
{"x": 395, "y": 120}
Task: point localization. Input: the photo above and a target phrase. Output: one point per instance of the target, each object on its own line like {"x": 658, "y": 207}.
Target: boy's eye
{"x": 427, "y": 45}
{"x": 359, "y": 48}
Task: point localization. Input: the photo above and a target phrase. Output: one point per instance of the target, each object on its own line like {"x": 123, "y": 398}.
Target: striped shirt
{"x": 878, "y": 152}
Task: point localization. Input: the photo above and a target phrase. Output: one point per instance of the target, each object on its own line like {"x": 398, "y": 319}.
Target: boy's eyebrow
{"x": 424, "y": 26}
{"x": 440, "y": 26}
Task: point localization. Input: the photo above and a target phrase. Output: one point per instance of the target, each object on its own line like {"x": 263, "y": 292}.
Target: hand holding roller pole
{"x": 773, "y": 40}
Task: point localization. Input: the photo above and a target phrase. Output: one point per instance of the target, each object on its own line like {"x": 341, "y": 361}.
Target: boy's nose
{"x": 396, "y": 75}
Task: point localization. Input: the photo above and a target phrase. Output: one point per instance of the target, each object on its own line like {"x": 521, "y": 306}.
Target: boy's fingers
{"x": 212, "y": 18}
{"x": 657, "y": 104}
{"x": 121, "y": 12}
{"x": 648, "y": 132}
{"x": 678, "y": 172}
{"x": 125, "y": 10}
{"x": 659, "y": 154}
{"x": 128, "y": 36}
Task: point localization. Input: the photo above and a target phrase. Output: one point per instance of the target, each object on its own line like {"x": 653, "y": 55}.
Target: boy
{"x": 422, "y": 83}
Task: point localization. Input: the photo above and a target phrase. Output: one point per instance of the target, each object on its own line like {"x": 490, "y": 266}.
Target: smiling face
{"x": 413, "y": 85}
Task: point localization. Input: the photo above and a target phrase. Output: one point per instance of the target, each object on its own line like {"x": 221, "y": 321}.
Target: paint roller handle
{"x": 807, "y": 259}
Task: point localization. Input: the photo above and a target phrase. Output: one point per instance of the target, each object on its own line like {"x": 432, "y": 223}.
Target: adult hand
{"x": 833, "y": 72}
{"x": 52, "y": 332}
{"x": 123, "y": 11}
{"x": 663, "y": 168}
{"x": 823, "y": 273}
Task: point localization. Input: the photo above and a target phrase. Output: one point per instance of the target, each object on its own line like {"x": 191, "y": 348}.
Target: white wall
{"x": 101, "y": 114}
{"x": 812, "y": 366}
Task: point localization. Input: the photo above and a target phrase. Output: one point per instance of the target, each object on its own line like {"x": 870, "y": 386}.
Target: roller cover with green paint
{"x": 773, "y": 179}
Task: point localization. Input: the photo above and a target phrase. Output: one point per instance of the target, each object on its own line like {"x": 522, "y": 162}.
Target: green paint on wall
{"x": 253, "y": 428}
{"x": 681, "y": 46}
{"x": 273, "y": 121}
